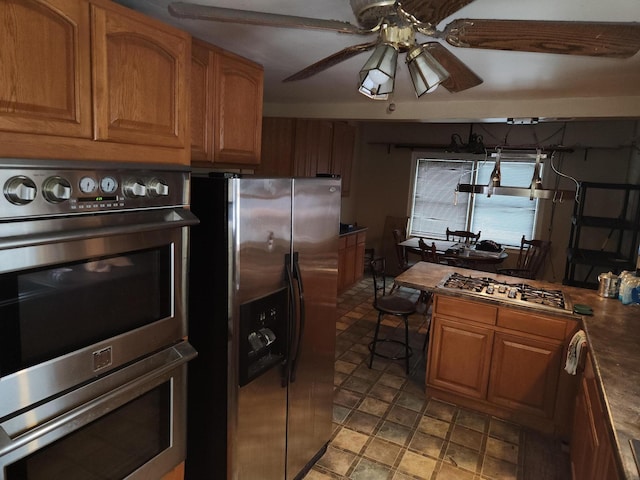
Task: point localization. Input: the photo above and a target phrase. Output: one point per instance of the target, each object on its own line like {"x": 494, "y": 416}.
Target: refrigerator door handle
{"x": 291, "y": 324}
{"x": 297, "y": 274}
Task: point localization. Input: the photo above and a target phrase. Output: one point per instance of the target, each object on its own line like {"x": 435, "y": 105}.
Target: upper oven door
{"x": 84, "y": 295}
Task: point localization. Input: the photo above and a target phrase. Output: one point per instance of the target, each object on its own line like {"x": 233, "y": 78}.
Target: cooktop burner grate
{"x": 515, "y": 292}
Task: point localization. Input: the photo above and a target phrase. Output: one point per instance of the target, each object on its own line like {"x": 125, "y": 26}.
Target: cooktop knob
{"x": 20, "y": 190}
{"x": 134, "y": 188}
{"x": 56, "y": 189}
{"x": 157, "y": 188}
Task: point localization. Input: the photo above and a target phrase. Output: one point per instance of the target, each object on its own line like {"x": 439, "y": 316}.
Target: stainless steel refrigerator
{"x": 262, "y": 314}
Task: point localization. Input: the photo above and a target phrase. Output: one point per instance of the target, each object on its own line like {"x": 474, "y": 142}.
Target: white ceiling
{"x": 516, "y": 84}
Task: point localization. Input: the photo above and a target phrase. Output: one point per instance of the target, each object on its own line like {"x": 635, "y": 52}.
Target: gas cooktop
{"x": 516, "y": 293}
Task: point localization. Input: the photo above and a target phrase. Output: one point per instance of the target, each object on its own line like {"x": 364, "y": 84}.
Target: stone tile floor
{"x": 384, "y": 427}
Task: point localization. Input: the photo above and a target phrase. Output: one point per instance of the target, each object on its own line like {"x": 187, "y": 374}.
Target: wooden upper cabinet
{"x": 92, "y": 80}
{"x": 226, "y": 107}
{"x": 313, "y": 147}
{"x": 277, "y": 147}
{"x": 307, "y": 147}
{"x": 344, "y": 138}
{"x": 238, "y": 110}
{"x": 45, "y": 78}
{"x": 140, "y": 79}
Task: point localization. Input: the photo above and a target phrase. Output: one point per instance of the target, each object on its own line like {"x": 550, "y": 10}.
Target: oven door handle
{"x": 5, "y": 439}
{"x": 81, "y": 227}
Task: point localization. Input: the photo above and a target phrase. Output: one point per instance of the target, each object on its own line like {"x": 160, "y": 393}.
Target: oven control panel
{"x": 64, "y": 188}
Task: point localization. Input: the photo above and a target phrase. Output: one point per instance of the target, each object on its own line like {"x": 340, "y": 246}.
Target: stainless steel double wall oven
{"x": 92, "y": 320}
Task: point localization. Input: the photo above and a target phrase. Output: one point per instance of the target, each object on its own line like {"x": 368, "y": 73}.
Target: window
{"x": 436, "y": 204}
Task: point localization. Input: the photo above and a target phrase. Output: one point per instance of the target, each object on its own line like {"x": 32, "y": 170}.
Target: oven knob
{"x": 56, "y": 189}
{"x": 20, "y": 190}
{"x": 134, "y": 188}
{"x": 157, "y": 188}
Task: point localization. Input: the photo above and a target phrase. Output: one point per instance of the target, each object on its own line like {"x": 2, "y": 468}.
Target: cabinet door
{"x": 238, "y": 119}
{"x": 45, "y": 77}
{"x": 277, "y": 147}
{"x": 344, "y": 137}
{"x": 350, "y": 260}
{"x": 313, "y": 147}
{"x": 342, "y": 267}
{"x": 460, "y": 357}
{"x": 202, "y": 101}
{"x": 139, "y": 78}
{"x": 360, "y": 247}
{"x": 584, "y": 438}
{"x": 524, "y": 374}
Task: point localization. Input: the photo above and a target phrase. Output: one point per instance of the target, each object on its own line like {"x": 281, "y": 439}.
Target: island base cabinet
{"x": 501, "y": 361}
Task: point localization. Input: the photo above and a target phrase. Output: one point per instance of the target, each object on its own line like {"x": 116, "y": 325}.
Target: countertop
{"x": 613, "y": 333}
{"x": 351, "y": 230}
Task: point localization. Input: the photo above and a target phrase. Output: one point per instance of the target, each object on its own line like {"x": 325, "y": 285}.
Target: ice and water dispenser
{"x": 263, "y": 334}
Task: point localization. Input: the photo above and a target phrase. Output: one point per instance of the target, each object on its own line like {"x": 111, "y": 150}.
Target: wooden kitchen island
{"x": 597, "y": 409}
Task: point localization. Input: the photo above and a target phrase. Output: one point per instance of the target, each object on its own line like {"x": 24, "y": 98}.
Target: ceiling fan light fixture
{"x": 426, "y": 73}
{"x": 377, "y": 76}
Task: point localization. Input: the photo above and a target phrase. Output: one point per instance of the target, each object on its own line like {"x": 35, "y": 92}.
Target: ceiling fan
{"x": 396, "y": 23}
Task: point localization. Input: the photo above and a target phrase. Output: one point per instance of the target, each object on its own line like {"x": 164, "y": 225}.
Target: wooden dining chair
{"x": 465, "y": 236}
{"x": 398, "y": 237}
{"x": 428, "y": 252}
{"x": 530, "y": 259}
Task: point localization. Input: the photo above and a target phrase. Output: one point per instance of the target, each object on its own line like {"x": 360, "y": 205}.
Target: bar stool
{"x": 389, "y": 305}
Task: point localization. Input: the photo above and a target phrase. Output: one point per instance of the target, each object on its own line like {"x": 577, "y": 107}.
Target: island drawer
{"x": 533, "y": 323}
{"x": 465, "y": 309}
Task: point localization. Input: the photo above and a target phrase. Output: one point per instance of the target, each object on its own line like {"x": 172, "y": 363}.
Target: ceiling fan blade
{"x": 247, "y": 17}
{"x": 331, "y": 60}
{"x": 461, "y": 77}
{"x": 432, "y": 11}
{"x": 600, "y": 39}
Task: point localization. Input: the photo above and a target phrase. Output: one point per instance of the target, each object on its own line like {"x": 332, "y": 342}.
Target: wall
{"x": 603, "y": 151}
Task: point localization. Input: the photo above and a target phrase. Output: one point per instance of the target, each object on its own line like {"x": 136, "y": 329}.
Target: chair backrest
{"x": 532, "y": 255}
{"x": 428, "y": 252}
{"x": 400, "y": 236}
{"x": 378, "y": 267}
{"x": 469, "y": 238}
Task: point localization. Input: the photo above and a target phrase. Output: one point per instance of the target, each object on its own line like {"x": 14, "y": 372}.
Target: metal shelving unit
{"x": 604, "y": 232}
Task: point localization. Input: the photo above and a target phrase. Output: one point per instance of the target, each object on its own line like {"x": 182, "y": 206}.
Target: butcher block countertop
{"x": 613, "y": 334}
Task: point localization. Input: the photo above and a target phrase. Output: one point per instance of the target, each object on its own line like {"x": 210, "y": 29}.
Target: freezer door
{"x": 316, "y": 219}
{"x": 260, "y": 217}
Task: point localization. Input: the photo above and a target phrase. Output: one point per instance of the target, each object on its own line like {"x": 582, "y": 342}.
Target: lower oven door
{"x": 129, "y": 424}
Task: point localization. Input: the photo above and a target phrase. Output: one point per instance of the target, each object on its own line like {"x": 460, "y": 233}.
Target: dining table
{"x": 458, "y": 253}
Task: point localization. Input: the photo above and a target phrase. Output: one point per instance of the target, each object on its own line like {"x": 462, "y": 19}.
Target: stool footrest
{"x": 389, "y": 340}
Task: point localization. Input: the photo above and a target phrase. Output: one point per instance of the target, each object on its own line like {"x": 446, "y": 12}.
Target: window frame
{"x": 477, "y": 160}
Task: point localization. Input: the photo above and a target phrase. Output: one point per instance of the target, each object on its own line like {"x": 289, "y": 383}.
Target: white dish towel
{"x": 577, "y": 343}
